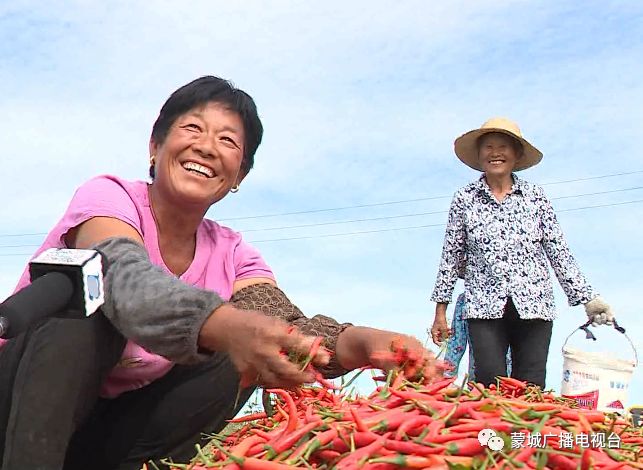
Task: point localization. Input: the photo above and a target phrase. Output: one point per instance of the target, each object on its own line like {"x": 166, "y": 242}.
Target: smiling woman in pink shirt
{"x": 190, "y": 308}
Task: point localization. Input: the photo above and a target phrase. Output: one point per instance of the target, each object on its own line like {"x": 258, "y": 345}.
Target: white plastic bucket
{"x": 597, "y": 381}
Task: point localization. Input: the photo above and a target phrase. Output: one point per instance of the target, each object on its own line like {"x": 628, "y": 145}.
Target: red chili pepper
{"x": 411, "y": 448}
{"x": 497, "y": 425}
{"x": 616, "y": 466}
{"x": 309, "y": 447}
{"x": 327, "y": 454}
{"x": 412, "y": 423}
{"x": 590, "y": 416}
{"x": 312, "y": 352}
{"x": 398, "y": 380}
{"x": 442, "y": 438}
{"x": 353, "y": 458}
{"x": 510, "y": 381}
{"x": 257, "y": 449}
{"x": 463, "y": 408}
{"x": 293, "y": 419}
{"x": 379, "y": 466}
{"x": 394, "y": 402}
{"x": 438, "y": 386}
{"x": 452, "y": 459}
{"x": 411, "y": 395}
{"x": 391, "y": 421}
{"x": 250, "y": 463}
{"x": 287, "y": 440}
{"x": 561, "y": 462}
{"x": 480, "y": 416}
{"x": 359, "y": 424}
{"x": 434, "y": 428}
{"x": 465, "y": 447}
{"x": 360, "y": 439}
{"x": 323, "y": 382}
{"x": 407, "y": 461}
{"x": 519, "y": 404}
{"x": 242, "y": 448}
{"x": 250, "y": 417}
{"x": 586, "y": 461}
{"x": 525, "y": 454}
{"x": 265, "y": 435}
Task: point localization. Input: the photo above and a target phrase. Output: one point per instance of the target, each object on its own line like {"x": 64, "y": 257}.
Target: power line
{"x": 361, "y": 232}
{"x": 403, "y": 201}
{"x": 339, "y": 222}
{"x": 311, "y": 211}
{"x": 420, "y": 226}
{"x": 417, "y": 214}
{"x": 597, "y": 193}
{"x": 589, "y": 178}
{"x": 571, "y": 209}
{"x": 399, "y": 216}
{"x": 373, "y": 219}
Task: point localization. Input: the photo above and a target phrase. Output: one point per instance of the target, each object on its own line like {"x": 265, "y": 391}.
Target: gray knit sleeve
{"x": 150, "y": 307}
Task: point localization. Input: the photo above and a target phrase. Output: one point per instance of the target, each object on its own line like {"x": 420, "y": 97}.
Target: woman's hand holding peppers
{"x": 361, "y": 346}
{"x": 258, "y": 346}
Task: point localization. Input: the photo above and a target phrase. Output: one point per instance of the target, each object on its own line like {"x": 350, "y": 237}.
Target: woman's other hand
{"x": 440, "y": 330}
{"x": 256, "y": 344}
{"x": 360, "y": 346}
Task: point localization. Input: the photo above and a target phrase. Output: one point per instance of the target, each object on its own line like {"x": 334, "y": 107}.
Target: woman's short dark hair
{"x": 210, "y": 89}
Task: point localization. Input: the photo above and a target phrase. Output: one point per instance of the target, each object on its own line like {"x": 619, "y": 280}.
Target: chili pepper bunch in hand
{"x": 409, "y": 361}
{"x": 316, "y": 354}
{"x": 306, "y": 361}
{"x": 258, "y": 345}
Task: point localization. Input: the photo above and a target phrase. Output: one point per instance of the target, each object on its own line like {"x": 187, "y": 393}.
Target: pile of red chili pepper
{"x": 424, "y": 424}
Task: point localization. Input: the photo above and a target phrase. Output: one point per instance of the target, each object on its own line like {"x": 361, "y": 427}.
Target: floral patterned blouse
{"x": 502, "y": 248}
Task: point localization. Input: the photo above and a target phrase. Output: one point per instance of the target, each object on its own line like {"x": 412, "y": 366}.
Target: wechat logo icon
{"x": 488, "y": 438}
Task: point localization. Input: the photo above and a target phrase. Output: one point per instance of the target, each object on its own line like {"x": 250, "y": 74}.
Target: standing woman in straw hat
{"x": 503, "y": 230}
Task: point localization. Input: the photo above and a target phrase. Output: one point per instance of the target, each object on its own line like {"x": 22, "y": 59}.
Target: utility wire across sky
{"x": 428, "y": 198}
{"x": 404, "y": 201}
{"x": 359, "y": 232}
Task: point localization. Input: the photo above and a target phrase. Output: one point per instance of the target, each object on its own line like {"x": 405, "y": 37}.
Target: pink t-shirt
{"x": 221, "y": 257}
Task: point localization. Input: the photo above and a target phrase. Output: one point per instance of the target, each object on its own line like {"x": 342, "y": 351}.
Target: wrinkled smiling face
{"x": 200, "y": 158}
{"x": 497, "y": 154}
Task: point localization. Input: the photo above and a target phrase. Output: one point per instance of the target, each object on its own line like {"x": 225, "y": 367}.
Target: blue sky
{"x": 361, "y": 102}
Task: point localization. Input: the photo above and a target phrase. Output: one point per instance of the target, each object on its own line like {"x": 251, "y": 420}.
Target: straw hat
{"x": 466, "y": 146}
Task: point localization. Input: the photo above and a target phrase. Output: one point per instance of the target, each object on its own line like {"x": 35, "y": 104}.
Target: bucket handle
{"x": 590, "y": 335}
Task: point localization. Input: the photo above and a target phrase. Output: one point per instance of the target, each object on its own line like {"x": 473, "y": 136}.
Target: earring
{"x": 234, "y": 189}
{"x": 152, "y": 170}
